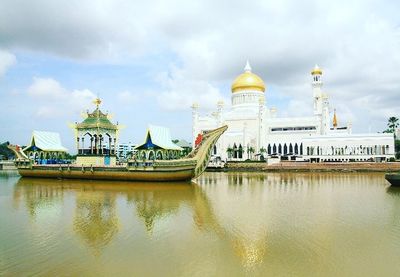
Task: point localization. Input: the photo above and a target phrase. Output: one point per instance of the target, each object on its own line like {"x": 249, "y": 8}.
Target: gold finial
{"x": 335, "y": 122}
{"x": 97, "y": 102}
{"x": 316, "y": 71}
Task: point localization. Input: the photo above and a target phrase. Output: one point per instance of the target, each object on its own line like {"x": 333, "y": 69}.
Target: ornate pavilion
{"x": 96, "y": 138}
{"x": 157, "y": 145}
{"x": 45, "y": 146}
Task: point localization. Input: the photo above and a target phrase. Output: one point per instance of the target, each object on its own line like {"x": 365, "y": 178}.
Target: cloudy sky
{"x": 149, "y": 60}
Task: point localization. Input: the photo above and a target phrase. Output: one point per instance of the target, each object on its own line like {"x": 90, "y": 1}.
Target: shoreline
{"x": 311, "y": 167}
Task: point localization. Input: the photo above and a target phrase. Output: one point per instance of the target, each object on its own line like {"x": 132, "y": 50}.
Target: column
{"x": 77, "y": 144}
{"x": 91, "y": 145}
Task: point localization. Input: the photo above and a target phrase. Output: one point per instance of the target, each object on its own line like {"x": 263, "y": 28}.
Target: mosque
{"x": 255, "y": 131}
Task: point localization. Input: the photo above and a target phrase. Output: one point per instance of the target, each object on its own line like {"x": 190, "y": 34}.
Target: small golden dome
{"x": 316, "y": 70}
{"x": 248, "y": 81}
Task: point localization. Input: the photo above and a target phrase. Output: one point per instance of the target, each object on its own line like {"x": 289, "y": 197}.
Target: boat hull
{"x": 104, "y": 173}
{"x": 393, "y": 179}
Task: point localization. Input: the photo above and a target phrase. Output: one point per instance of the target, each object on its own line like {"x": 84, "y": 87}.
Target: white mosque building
{"x": 254, "y": 130}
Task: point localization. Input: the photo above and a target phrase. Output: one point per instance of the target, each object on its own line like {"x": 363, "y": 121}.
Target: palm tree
{"x": 393, "y": 123}
{"x": 263, "y": 151}
{"x": 229, "y": 151}
{"x": 251, "y": 150}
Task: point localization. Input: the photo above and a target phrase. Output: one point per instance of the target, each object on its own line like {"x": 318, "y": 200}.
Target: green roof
{"x": 96, "y": 119}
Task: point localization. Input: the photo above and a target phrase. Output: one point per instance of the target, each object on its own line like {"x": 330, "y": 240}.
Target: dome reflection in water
{"x": 224, "y": 224}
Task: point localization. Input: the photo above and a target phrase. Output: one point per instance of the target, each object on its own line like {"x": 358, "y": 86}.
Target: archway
{"x": 151, "y": 155}
{"x": 240, "y": 150}
{"x": 235, "y": 151}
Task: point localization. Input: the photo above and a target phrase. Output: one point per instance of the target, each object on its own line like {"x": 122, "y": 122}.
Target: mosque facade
{"x": 256, "y": 131}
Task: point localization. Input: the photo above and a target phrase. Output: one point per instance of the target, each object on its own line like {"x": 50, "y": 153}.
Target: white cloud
{"x": 356, "y": 43}
{"x": 46, "y": 88}
{"x": 6, "y": 60}
{"x": 181, "y": 92}
{"x": 56, "y": 101}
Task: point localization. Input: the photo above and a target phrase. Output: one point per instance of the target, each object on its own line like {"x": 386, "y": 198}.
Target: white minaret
{"x": 261, "y": 136}
{"x": 316, "y": 84}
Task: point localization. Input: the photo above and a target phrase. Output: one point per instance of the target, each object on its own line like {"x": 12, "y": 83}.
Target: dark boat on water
{"x": 393, "y": 179}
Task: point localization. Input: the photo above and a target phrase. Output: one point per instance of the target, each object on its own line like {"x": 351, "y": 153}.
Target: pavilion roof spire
{"x": 97, "y": 102}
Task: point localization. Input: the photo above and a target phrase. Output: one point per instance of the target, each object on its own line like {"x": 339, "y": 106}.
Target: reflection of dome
{"x": 248, "y": 81}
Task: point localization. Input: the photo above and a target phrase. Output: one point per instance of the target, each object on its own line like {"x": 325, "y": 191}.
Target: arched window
{"x": 285, "y": 149}
{"x": 290, "y": 148}
{"x": 279, "y": 149}
{"x": 240, "y": 150}
{"x": 274, "y": 149}
{"x": 269, "y": 149}
{"x": 296, "y": 149}
{"x": 235, "y": 151}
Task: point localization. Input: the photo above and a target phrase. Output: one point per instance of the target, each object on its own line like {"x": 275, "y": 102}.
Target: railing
{"x": 93, "y": 152}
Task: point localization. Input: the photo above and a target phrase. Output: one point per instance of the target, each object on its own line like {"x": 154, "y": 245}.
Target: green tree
{"x": 229, "y": 151}
{"x": 6, "y": 153}
{"x": 393, "y": 124}
{"x": 250, "y": 151}
{"x": 262, "y": 152}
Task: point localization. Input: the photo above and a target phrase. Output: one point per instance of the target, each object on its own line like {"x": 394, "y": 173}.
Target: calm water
{"x": 234, "y": 224}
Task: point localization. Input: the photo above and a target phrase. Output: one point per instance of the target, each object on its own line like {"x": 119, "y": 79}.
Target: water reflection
{"x": 37, "y": 194}
{"x": 153, "y": 202}
{"x": 95, "y": 220}
{"x": 236, "y": 223}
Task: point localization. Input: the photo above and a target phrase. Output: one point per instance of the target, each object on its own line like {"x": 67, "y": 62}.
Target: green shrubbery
{"x": 6, "y": 153}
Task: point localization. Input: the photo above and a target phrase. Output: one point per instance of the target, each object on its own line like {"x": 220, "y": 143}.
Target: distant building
{"x": 125, "y": 150}
{"x": 45, "y": 146}
{"x": 255, "y": 130}
{"x": 187, "y": 146}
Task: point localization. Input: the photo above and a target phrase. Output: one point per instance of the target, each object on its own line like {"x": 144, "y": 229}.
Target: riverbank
{"x": 7, "y": 165}
{"x": 314, "y": 167}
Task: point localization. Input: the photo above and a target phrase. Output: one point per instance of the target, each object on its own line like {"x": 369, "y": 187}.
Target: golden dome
{"x": 248, "y": 81}
{"x": 316, "y": 70}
